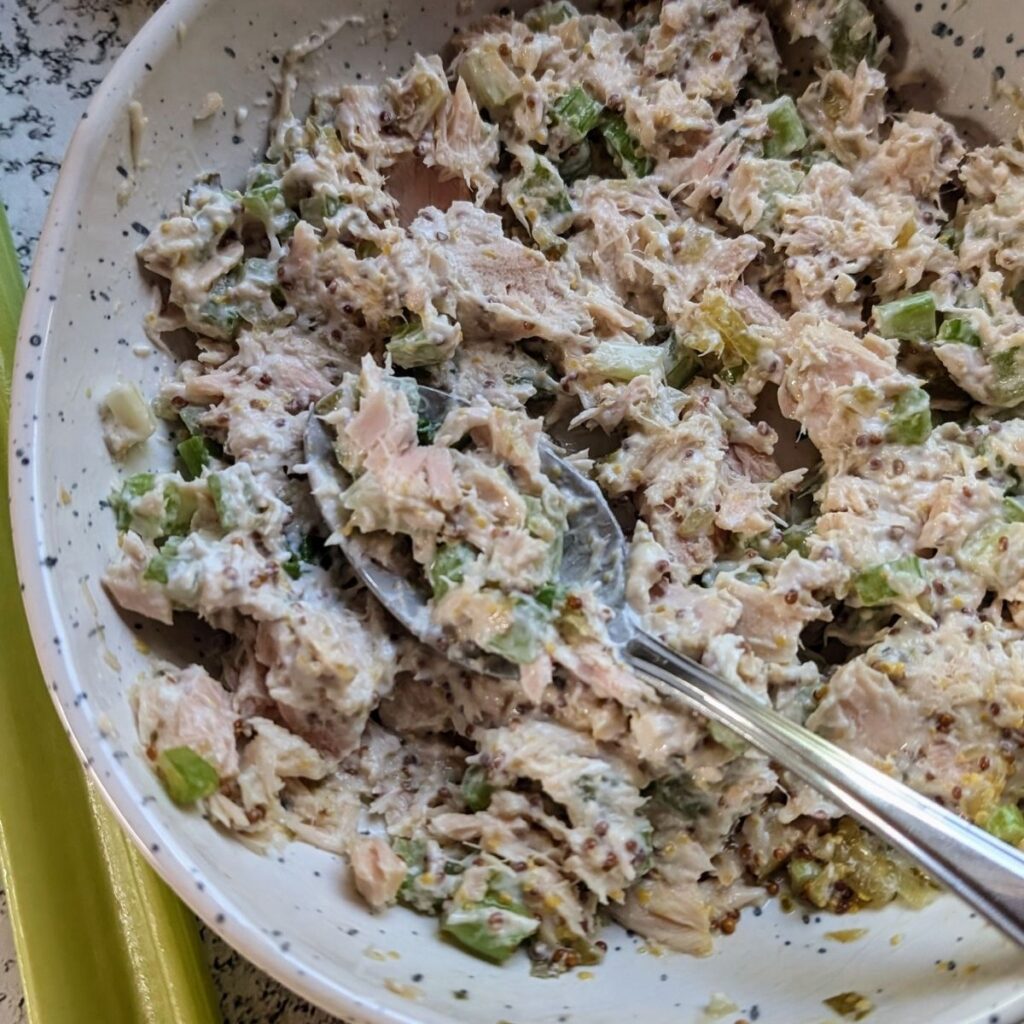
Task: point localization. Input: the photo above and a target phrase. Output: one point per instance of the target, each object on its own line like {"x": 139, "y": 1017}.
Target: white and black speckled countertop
{"x": 53, "y": 54}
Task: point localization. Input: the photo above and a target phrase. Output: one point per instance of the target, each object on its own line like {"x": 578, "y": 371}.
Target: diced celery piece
{"x": 622, "y": 361}
{"x": 189, "y": 415}
{"x": 186, "y": 776}
{"x": 577, "y": 112}
{"x": 624, "y": 150}
{"x": 726, "y": 737}
{"x": 267, "y": 204}
{"x": 156, "y": 570}
{"x": 552, "y": 595}
{"x": 1009, "y": 370}
{"x": 910, "y": 318}
{"x": 134, "y": 487}
{"x": 476, "y": 790}
{"x": 225, "y": 514}
{"x": 952, "y": 237}
{"x": 179, "y": 508}
{"x": 681, "y": 795}
{"x": 911, "y": 421}
{"x": 680, "y": 363}
{"x": 854, "y": 36}
{"x": 523, "y": 640}
{"x": 540, "y": 201}
{"x": 1013, "y": 509}
{"x": 1006, "y": 822}
{"x": 448, "y": 567}
{"x": 959, "y": 331}
{"x": 309, "y": 549}
{"x": 491, "y": 82}
{"x": 787, "y": 133}
{"x": 195, "y": 454}
{"x": 410, "y": 347}
{"x": 548, "y": 15}
{"x": 881, "y": 584}
{"x": 319, "y": 207}
{"x": 494, "y": 926}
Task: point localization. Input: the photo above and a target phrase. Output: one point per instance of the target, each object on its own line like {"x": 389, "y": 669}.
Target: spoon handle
{"x": 982, "y": 870}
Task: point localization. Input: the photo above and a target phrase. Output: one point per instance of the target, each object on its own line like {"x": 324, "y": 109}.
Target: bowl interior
{"x": 292, "y": 910}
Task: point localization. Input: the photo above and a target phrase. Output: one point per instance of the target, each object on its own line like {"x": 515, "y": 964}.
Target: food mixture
{"x": 653, "y": 241}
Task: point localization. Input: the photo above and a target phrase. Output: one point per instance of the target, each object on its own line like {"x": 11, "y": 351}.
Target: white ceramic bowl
{"x": 294, "y": 914}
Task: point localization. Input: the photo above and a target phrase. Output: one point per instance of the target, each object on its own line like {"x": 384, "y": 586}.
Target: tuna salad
{"x": 774, "y": 316}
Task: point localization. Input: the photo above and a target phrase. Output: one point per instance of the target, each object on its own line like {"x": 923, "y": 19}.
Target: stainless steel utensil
{"x": 985, "y": 872}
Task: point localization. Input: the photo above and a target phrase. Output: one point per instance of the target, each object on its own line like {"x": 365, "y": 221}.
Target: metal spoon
{"x": 985, "y": 872}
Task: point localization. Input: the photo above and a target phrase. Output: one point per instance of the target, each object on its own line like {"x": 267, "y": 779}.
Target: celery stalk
{"x": 910, "y": 318}
{"x": 98, "y": 934}
{"x": 787, "y": 133}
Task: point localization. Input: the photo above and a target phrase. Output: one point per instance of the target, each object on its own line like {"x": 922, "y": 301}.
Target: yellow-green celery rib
{"x": 99, "y": 936}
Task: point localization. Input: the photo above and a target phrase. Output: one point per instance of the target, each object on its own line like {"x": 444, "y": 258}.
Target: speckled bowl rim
{"x": 358, "y": 1002}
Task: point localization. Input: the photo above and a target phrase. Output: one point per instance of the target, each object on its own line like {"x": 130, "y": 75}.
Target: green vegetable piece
{"x": 854, "y": 36}
{"x": 794, "y": 538}
{"x": 225, "y": 514}
{"x": 959, "y": 331}
{"x": 293, "y": 567}
{"x": 1009, "y": 370}
{"x": 448, "y": 567}
{"x": 882, "y": 583}
{"x": 410, "y": 347}
{"x": 156, "y": 570}
{"x": 1006, "y": 822}
{"x": 476, "y": 790}
{"x": 134, "y": 487}
{"x": 267, "y": 204}
{"x": 494, "y": 926}
{"x": 910, "y": 318}
{"x": 189, "y": 415}
{"x": 680, "y": 795}
{"x": 679, "y": 362}
{"x": 624, "y": 150}
{"x": 726, "y": 737}
{"x": 623, "y": 361}
{"x": 186, "y": 776}
{"x": 491, "y": 82}
{"x": 787, "y": 130}
{"x": 952, "y": 237}
{"x": 195, "y": 455}
{"x": 552, "y": 595}
{"x": 802, "y": 871}
{"x": 546, "y": 16}
{"x": 179, "y": 508}
{"x": 540, "y": 201}
{"x": 523, "y": 640}
{"x": 1013, "y": 509}
{"x": 577, "y": 113}
{"x": 911, "y": 421}
{"x": 319, "y": 207}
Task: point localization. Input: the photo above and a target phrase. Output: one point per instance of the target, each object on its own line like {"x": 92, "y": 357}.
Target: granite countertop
{"x": 53, "y": 55}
